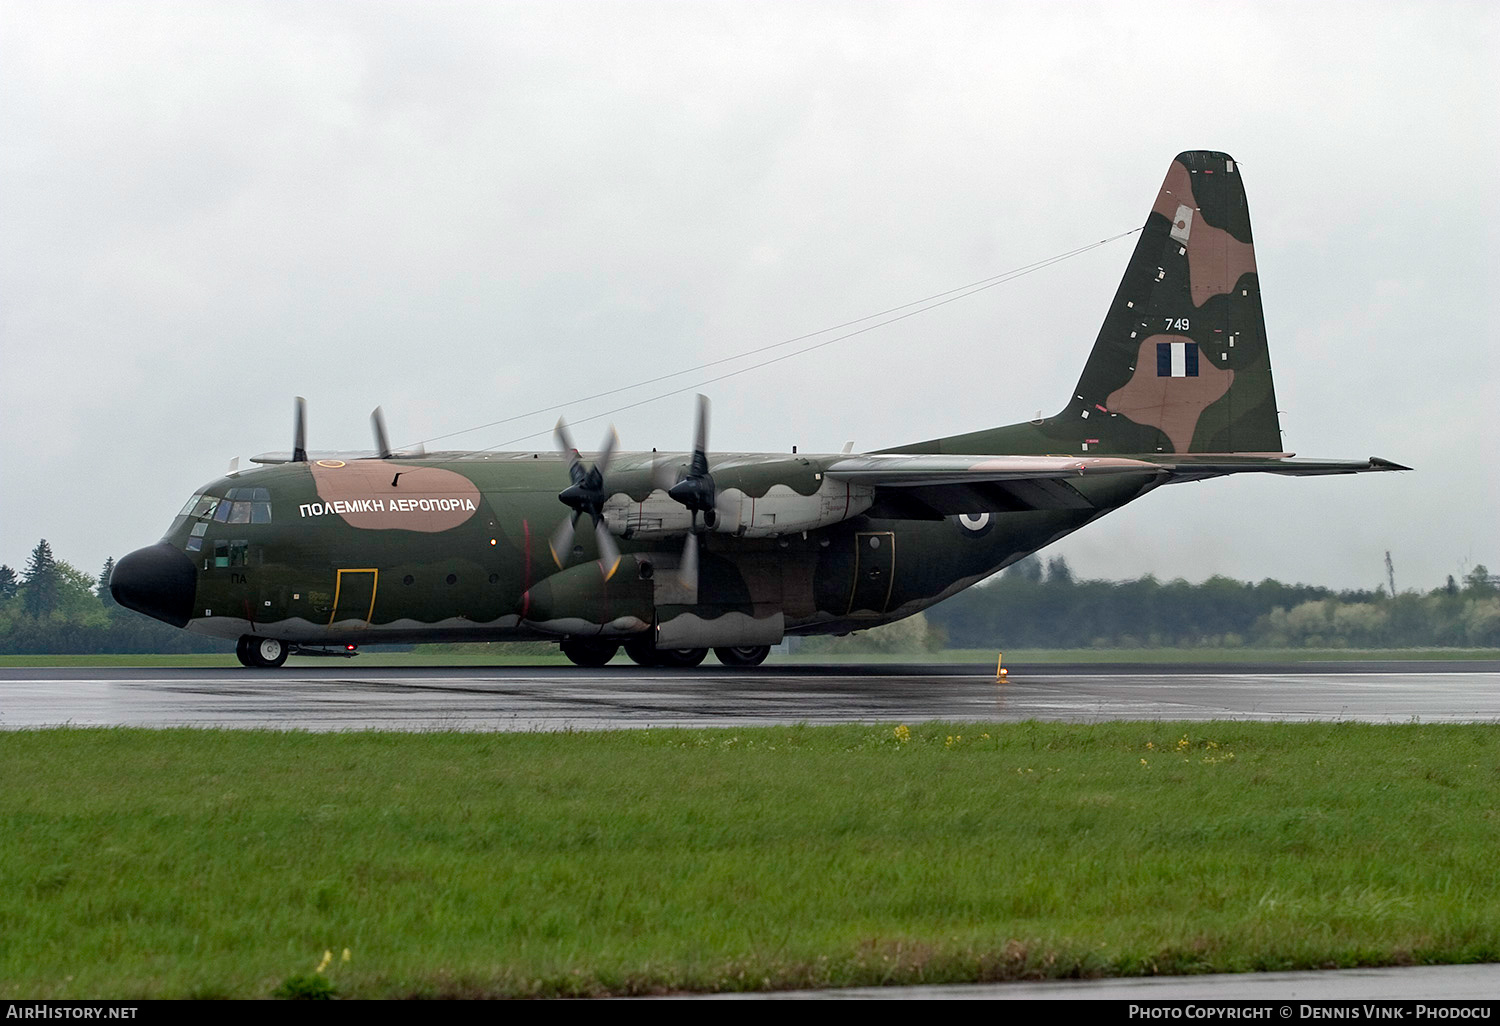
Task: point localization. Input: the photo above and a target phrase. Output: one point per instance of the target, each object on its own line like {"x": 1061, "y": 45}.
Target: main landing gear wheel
{"x": 680, "y": 658}
{"x": 643, "y": 652}
{"x": 261, "y": 653}
{"x": 586, "y": 652}
{"x": 743, "y": 655}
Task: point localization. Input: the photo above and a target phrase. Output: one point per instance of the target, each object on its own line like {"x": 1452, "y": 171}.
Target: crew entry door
{"x": 354, "y": 596}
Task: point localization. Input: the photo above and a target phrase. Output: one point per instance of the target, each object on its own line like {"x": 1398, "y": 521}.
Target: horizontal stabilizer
{"x": 1201, "y": 466}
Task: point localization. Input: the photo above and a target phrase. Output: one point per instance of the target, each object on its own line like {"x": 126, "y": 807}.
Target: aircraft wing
{"x": 932, "y": 486}
{"x": 921, "y": 486}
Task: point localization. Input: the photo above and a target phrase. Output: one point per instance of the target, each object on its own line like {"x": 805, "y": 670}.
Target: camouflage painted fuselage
{"x": 361, "y": 551}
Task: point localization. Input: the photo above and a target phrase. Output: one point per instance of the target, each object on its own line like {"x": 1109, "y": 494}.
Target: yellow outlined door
{"x": 354, "y": 596}
{"x": 874, "y": 571}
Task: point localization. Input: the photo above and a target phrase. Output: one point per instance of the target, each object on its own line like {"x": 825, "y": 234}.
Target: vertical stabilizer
{"x": 1180, "y": 364}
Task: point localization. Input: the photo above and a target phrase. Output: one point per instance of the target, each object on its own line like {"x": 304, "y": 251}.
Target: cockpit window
{"x": 248, "y": 506}
{"x": 239, "y": 505}
{"x": 199, "y": 506}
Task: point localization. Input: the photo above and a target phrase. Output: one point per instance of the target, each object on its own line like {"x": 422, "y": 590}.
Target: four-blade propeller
{"x": 696, "y": 491}
{"x": 585, "y": 495}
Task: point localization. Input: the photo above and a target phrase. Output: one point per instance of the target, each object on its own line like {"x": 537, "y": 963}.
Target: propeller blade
{"x": 561, "y": 542}
{"x": 564, "y": 439}
{"x": 565, "y": 443}
{"x": 611, "y": 440}
{"x": 700, "y": 438}
{"x": 609, "y": 552}
{"x": 687, "y": 570}
{"x": 299, "y": 431}
{"x": 382, "y": 440}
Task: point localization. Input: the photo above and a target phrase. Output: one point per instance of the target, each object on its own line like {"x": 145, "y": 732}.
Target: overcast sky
{"x": 466, "y": 211}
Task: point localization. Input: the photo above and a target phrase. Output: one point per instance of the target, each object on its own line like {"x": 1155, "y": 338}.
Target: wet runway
{"x": 347, "y": 697}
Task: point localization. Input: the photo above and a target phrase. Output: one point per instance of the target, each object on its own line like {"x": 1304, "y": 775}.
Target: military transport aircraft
{"x": 678, "y": 553}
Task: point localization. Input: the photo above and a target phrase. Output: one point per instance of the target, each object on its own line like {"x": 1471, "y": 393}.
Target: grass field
{"x": 226, "y": 863}
{"x": 498, "y": 655}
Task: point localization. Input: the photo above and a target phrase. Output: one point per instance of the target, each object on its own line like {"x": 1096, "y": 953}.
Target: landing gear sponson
{"x": 643, "y": 652}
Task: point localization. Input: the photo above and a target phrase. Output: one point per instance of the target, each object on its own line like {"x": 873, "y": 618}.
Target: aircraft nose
{"x": 159, "y": 581}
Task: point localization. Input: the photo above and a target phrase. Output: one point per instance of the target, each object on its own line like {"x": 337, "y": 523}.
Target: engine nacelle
{"x": 780, "y": 510}
{"x": 580, "y": 601}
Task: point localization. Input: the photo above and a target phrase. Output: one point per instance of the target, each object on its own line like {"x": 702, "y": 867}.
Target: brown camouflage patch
{"x": 376, "y": 495}
{"x": 1171, "y": 404}
{"x": 1216, "y": 259}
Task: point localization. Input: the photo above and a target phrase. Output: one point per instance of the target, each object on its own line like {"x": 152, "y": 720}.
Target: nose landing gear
{"x": 260, "y": 653}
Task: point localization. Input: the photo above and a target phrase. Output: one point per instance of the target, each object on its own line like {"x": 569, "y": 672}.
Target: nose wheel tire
{"x": 261, "y": 653}
{"x": 743, "y": 655}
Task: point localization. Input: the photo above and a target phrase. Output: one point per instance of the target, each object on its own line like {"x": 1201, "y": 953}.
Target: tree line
{"x": 53, "y": 607}
{"x": 1032, "y": 605}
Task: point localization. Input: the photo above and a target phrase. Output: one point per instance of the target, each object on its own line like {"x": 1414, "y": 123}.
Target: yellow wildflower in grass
{"x": 345, "y": 956}
{"x": 327, "y": 957}
{"x": 1184, "y": 743}
{"x": 903, "y": 734}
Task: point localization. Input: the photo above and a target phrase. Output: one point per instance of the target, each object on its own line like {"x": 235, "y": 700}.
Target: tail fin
{"x": 1180, "y": 364}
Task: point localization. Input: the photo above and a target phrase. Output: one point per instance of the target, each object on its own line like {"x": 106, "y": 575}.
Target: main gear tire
{"x": 642, "y": 651}
{"x": 742, "y": 655}
{"x": 680, "y": 658}
{"x": 587, "y": 652}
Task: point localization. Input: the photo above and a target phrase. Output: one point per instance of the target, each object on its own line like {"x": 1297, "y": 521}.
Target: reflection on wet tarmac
{"x": 558, "y": 698}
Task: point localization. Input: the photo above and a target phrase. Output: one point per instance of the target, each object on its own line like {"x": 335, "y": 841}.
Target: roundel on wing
{"x": 976, "y": 524}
